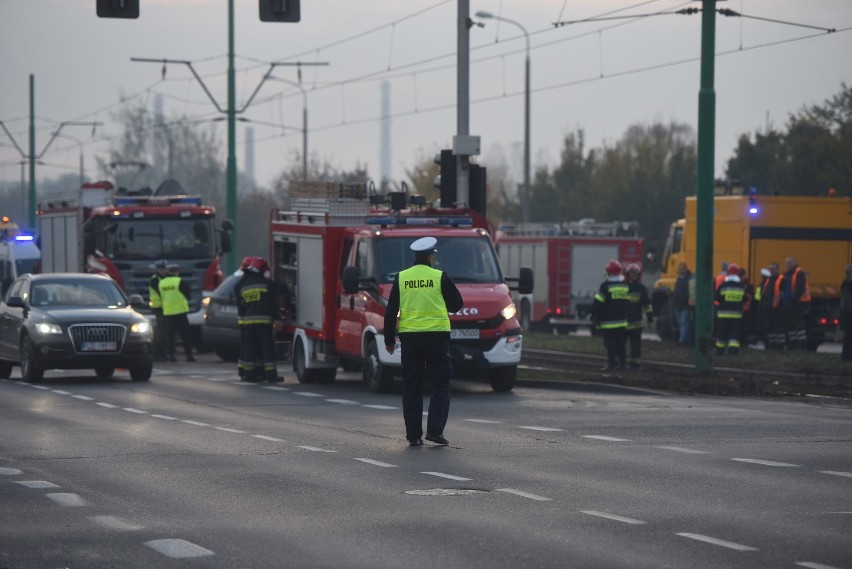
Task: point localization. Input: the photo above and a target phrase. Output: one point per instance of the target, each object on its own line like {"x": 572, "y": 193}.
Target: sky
{"x": 601, "y": 76}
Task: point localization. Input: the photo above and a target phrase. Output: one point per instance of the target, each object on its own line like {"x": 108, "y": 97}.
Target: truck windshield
{"x": 464, "y": 259}
{"x": 150, "y": 239}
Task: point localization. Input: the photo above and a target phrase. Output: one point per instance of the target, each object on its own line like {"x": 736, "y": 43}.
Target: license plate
{"x": 97, "y": 347}
{"x": 228, "y": 309}
{"x": 464, "y": 334}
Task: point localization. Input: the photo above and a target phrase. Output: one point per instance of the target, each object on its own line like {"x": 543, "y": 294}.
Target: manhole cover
{"x": 444, "y": 492}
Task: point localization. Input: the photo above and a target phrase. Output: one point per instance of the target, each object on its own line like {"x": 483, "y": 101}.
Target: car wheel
{"x": 379, "y": 377}
{"x": 141, "y": 371}
{"x": 503, "y": 378}
{"x": 29, "y": 367}
{"x": 5, "y": 369}
{"x": 104, "y": 372}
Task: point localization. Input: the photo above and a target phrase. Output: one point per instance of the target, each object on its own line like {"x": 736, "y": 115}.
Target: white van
{"x": 18, "y": 255}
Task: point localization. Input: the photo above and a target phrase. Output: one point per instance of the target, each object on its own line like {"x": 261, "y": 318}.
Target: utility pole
{"x": 231, "y": 195}
{"x": 464, "y": 145}
{"x": 32, "y": 193}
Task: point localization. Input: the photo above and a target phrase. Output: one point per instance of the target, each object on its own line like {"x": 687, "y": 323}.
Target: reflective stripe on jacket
{"x": 730, "y": 296}
{"x": 421, "y": 304}
{"x": 154, "y": 293}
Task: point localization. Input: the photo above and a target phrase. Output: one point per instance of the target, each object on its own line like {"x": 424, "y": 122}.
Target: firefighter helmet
{"x": 245, "y": 264}
{"x": 613, "y": 267}
{"x": 734, "y": 269}
{"x": 634, "y": 267}
{"x": 258, "y": 265}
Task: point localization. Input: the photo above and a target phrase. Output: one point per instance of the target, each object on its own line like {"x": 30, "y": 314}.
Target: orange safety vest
{"x": 806, "y": 296}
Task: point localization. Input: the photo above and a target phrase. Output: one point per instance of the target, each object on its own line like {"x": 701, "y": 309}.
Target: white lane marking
{"x": 228, "y": 429}
{"x": 166, "y": 417}
{"x": 764, "y": 462}
{"x": 317, "y": 449}
{"x": 613, "y": 517}
{"x": 307, "y": 394}
{"x": 21, "y": 382}
{"x": 42, "y": 387}
{"x": 114, "y": 522}
{"x": 67, "y": 499}
{"x": 197, "y": 376}
{"x": 381, "y": 406}
{"x": 275, "y": 388}
{"x": 605, "y": 438}
{"x": 107, "y": 405}
{"x": 812, "y": 565}
{"x": 139, "y": 411}
{"x": 524, "y": 494}
{"x": 836, "y": 473}
{"x": 376, "y": 462}
{"x": 531, "y": 428}
{"x": 36, "y": 483}
{"x": 216, "y": 378}
{"x": 83, "y": 397}
{"x": 681, "y": 449}
{"x": 720, "y": 542}
{"x": 197, "y": 423}
{"x": 240, "y": 382}
{"x": 6, "y": 471}
{"x": 485, "y": 421}
{"x": 59, "y": 391}
{"x": 450, "y": 476}
{"x": 266, "y": 438}
{"x": 177, "y": 548}
{"x": 343, "y": 401}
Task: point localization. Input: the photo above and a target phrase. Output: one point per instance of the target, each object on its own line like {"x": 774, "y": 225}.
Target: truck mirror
{"x": 225, "y": 242}
{"x": 350, "y": 279}
{"x": 525, "y": 282}
{"x": 227, "y": 225}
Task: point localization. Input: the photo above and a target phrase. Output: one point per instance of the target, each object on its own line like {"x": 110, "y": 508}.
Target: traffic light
{"x": 279, "y": 11}
{"x": 447, "y": 175}
{"x": 118, "y": 8}
{"x": 477, "y": 188}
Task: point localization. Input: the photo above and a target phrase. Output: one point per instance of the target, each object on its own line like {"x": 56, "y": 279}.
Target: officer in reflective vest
{"x": 729, "y": 313}
{"x": 175, "y": 293}
{"x": 156, "y": 304}
{"x": 423, "y": 297}
{"x": 609, "y": 314}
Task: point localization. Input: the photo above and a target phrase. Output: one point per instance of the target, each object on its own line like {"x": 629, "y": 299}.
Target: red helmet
{"x": 733, "y": 269}
{"x": 634, "y": 267}
{"x": 613, "y": 267}
{"x": 245, "y": 264}
{"x": 258, "y": 265}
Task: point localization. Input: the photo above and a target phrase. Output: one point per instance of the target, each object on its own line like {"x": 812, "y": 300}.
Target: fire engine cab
{"x": 338, "y": 257}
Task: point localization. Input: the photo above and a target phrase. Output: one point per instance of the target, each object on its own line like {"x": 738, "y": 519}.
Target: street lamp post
{"x": 525, "y": 199}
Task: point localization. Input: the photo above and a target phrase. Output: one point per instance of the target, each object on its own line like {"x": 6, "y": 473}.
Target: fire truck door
{"x": 350, "y": 318}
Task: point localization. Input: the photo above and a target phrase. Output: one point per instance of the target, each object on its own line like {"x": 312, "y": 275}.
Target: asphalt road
{"x": 195, "y": 469}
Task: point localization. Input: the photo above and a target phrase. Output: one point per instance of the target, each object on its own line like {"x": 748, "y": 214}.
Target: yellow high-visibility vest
{"x": 421, "y": 304}
{"x": 174, "y": 302}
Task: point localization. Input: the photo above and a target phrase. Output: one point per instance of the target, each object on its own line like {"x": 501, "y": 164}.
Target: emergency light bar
{"x": 170, "y": 200}
{"x": 24, "y": 238}
{"x": 394, "y": 220}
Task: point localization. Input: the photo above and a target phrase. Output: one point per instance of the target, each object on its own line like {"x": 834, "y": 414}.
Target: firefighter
{"x": 796, "y": 304}
{"x": 422, "y": 297}
{"x": 749, "y": 310}
{"x": 175, "y": 293}
{"x": 609, "y": 314}
{"x": 258, "y": 298}
{"x": 638, "y": 305}
{"x": 730, "y": 297}
{"x": 241, "y": 367}
{"x": 156, "y": 304}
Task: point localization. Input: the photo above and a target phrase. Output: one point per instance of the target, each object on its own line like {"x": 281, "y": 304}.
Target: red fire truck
{"x": 568, "y": 263}
{"x": 338, "y": 258}
{"x": 101, "y": 230}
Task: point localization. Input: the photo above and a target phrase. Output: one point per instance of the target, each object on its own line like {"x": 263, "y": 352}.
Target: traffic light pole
{"x": 463, "y": 100}
{"x": 231, "y": 192}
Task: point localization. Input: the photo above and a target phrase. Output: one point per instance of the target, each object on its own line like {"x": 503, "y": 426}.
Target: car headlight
{"x": 205, "y": 301}
{"x": 509, "y": 312}
{"x": 141, "y": 328}
{"x": 45, "y": 328}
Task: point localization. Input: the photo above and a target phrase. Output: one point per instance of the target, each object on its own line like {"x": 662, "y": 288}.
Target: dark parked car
{"x": 220, "y": 331}
{"x": 72, "y": 321}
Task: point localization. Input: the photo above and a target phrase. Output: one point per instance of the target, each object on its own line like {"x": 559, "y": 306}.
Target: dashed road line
{"x": 36, "y": 484}
{"x": 196, "y": 423}
{"x": 381, "y": 407}
{"x": 316, "y": 449}
{"x": 812, "y": 565}
{"x": 42, "y": 387}
{"x": 268, "y": 438}
{"x": 533, "y": 428}
{"x": 115, "y": 523}
{"x": 83, "y": 397}
{"x": 682, "y": 449}
{"x": 613, "y": 517}
{"x": 7, "y": 471}
{"x": 275, "y": 388}
{"x": 67, "y": 499}
{"x": 230, "y": 430}
{"x": 59, "y": 391}
{"x": 765, "y": 462}
{"x": 166, "y": 417}
{"x": 484, "y": 421}
{"x": 444, "y": 475}
{"x": 377, "y": 463}
{"x": 524, "y": 494}
{"x": 836, "y": 473}
{"x": 178, "y": 548}
{"x": 719, "y": 542}
{"x": 107, "y": 405}
{"x": 606, "y": 438}
{"x": 307, "y": 394}
{"x": 343, "y": 401}
{"x": 137, "y": 411}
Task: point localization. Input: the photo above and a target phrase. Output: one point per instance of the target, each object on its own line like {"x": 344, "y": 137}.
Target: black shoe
{"x": 190, "y": 358}
{"x": 437, "y": 439}
{"x": 415, "y": 442}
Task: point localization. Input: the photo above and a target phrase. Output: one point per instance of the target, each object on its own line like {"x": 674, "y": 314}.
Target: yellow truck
{"x": 755, "y": 230}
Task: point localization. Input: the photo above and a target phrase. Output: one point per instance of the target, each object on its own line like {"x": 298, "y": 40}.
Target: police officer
{"x": 638, "y": 306}
{"x": 156, "y": 304}
{"x": 609, "y": 313}
{"x": 730, "y": 298}
{"x": 422, "y": 297}
{"x": 258, "y": 299}
{"x": 175, "y": 293}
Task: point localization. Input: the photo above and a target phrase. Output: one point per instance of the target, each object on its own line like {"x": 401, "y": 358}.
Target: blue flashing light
{"x": 753, "y": 210}
{"x": 24, "y": 238}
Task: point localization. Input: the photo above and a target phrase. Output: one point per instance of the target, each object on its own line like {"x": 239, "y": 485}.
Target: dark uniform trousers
{"x": 425, "y": 352}
{"x": 613, "y": 339}
{"x": 177, "y": 324}
{"x": 257, "y": 353}
{"x": 159, "y": 332}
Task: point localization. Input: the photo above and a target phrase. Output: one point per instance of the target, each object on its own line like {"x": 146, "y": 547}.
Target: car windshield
{"x": 150, "y": 239}
{"x": 464, "y": 259}
{"x": 88, "y": 293}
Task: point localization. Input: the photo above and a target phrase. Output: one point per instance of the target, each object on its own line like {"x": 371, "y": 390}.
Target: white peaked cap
{"x": 424, "y": 244}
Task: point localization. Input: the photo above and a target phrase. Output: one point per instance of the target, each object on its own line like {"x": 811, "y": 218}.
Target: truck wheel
{"x": 666, "y": 328}
{"x": 29, "y": 369}
{"x": 525, "y": 315}
{"x": 141, "y": 372}
{"x": 379, "y": 377}
{"x": 503, "y": 378}
{"x": 104, "y": 372}
{"x": 299, "y": 365}
{"x": 5, "y": 369}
